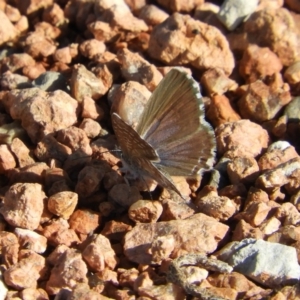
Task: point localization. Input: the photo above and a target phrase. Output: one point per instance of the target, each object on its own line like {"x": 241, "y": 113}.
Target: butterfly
{"x": 172, "y": 138}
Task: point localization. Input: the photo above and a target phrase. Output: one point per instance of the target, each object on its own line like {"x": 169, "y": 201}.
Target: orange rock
{"x": 84, "y": 221}
{"x": 152, "y": 15}
{"x": 90, "y": 127}
{"x": 92, "y": 49}
{"x": 17, "y": 61}
{"x": 258, "y": 63}
{"x": 182, "y": 40}
{"x": 114, "y": 230}
{"x": 274, "y": 157}
{"x": 31, "y": 240}
{"x": 34, "y": 71}
{"x": 187, "y": 235}
{"x": 220, "y": 111}
{"x": 216, "y": 82}
{"x": 277, "y": 30}
{"x": 54, "y": 15}
{"x": 219, "y": 207}
{"x": 145, "y": 211}
{"x": 241, "y": 138}
{"x": 12, "y": 13}
{"x": 74, "y": 138}
{"x": 7, "y": 31}
{"x": 27, "y": 271}
{"x": 40, "y": 111}
{"x": 128, "y": 101}
{"x": 98, "y": 254}
{"x": 68, "y": 272}
{"x": 174, "y": 210}
{"x": 34, "y": 293}
{"x": 63, "y": 204}
{"x": 23, "y": 205}
{"x": 9, "y": 245}
{"x": 242, "y": 170}
{"x": 7, "y": 160}
{"x": 244, "y": 230}
{"x": 261, "y": 102}
{"x": 85, "y": 83}
{"x": 58, "y": 232}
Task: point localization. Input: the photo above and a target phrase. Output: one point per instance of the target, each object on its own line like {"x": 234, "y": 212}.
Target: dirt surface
{"x": 74, "y": 225}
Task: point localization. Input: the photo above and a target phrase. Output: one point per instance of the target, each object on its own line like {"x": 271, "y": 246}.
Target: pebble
{"x": 183, "y": 232}
{"x": 255, "y": 259}
{"x": 51, "y": 81}
{"x": 233, "y": 13}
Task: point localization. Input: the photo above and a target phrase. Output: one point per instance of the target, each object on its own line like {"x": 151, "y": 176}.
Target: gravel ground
{"x": 75, "y": 79}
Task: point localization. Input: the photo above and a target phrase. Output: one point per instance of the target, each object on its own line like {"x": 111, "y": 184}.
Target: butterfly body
{"x": 172, "y": 138}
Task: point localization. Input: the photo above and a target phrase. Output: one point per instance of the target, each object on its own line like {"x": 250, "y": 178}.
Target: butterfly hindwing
{"x": 141, "y": 154}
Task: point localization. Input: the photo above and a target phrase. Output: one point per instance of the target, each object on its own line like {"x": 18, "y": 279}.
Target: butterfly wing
{"x": 173, "y": 124}
{"x": 138, "y": 154}
{"x": 131, "y": 144}
{"x": 160, "y": 176}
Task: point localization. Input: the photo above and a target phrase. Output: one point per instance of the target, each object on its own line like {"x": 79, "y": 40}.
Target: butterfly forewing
{"x": 173, "y": 124}
{"x": 166, "y": 109}
{"x": 130, "y": 142}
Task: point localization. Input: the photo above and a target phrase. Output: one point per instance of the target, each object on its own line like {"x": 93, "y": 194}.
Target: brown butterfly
{"x": 172, "y": 137}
